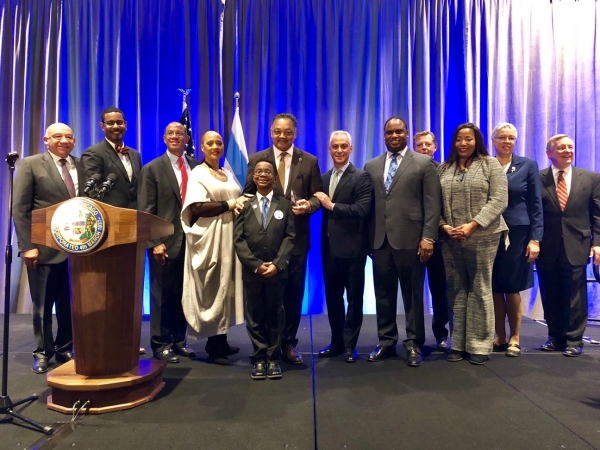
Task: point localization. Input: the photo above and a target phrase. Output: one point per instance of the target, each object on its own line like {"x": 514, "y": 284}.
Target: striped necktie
{"x": 561, "y": 190}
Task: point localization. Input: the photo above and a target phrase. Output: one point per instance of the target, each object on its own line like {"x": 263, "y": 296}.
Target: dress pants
{"x": 389, "y": 266}
{"x": 563, "y": 289}
{"x": 265, "y": 319}
{"x": 50, "y": 286}
{"x": 436, "y": 278}
{"x": 340, "y": 274}
{"x": 167, "y": 322}
{"x": 469, "y": 279}
{"x": 292, "y": 298}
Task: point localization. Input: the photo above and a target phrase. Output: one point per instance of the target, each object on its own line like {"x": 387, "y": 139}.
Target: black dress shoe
{"x": 63, "y": 357}
{"x": 380, "y": 353}
{"x": 442, "y": 345}
{"x": 551, "y": 346}
{"x": 330, "y": 351}
{"x": 478, "y": 359}
{"x": 273, "y": 371}
{"x": 499, "y": 348}
{"x": 290, "y": 355}
{"x": 259, "y": 372}
{"x": 455, "y": 356}
{"x": 413, "y": 357}
{"x": 231, "y": 350}
{"x": 184, "y": 351}
{"x": 166, "y": 355}
{"x": 572, "y": 350}
{"x": 350, "y": 355}
{"x": 40, "y": 364}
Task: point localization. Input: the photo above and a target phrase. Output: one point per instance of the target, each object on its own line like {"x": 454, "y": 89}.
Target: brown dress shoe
{"x": 290, "y": 355}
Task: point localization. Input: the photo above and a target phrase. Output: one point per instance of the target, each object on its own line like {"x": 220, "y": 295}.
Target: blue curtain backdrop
{"x": 334, "y": 64}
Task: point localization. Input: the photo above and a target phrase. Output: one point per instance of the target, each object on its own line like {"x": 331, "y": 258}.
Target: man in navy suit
{"x": 111, "y": 155}
{"x": 424, "y": 142}
{"x": 161, "y": 191}
{"x": 264, "y": 239}
{"x": 44, "y": 180}
{"x": 346, "y": 203}
{"x": 571, "y": 204}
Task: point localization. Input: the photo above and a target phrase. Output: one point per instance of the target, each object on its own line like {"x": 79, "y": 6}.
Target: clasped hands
{"x": 461, "y": 232}
{"x": 267, "y": 270}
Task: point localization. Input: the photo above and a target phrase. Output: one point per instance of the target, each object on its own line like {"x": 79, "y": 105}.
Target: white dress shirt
{"x": 124, "y": 159}
{"x": 70, "y": 165}
{"x": 288, "y": 163}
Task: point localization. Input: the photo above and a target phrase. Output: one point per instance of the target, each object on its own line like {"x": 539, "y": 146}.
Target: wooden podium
{"x": 107, "y": 290}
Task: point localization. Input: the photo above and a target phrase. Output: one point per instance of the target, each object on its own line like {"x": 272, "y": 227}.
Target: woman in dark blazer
{"x": 513, "y": 267}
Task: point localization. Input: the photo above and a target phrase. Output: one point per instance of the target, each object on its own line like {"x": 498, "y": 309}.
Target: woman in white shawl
{"x": 212, "y": 283}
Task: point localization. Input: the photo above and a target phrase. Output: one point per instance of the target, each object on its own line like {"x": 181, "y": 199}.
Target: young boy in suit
{"x": 264, "y": 238}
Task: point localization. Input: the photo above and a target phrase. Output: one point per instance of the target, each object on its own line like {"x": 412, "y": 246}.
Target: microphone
{"x": 91, "y": 183}
{"x": 105, "y": 187}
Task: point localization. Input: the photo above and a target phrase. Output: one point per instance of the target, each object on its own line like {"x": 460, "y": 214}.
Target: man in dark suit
{"x": 44, "y": 180}
{"x": 113, "y": 156}
{"x": 263, "y": 239}
{"x": 424, "y": 142}
{"x": 299, "y": 172}
{"x": 346, "y": 203}
{"x": 571, "y": 205}
{"x": 161, "y": 191}
{"x": 402, "y": 231}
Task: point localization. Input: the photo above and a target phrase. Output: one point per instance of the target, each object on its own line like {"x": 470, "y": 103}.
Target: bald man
{"x": 44, "y": 180}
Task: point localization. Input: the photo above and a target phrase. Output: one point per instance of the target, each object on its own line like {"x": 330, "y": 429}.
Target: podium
{"x": 107, "y": 254}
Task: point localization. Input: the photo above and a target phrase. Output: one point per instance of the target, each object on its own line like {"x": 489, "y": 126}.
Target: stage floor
{"x": 540, "y": 400}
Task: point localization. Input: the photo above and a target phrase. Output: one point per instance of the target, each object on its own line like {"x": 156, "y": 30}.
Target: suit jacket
{"x": 159, "y": 194}
{"x": 411, "y": 209}
{"x": 101, "y": 158}
{"x": 578, "y": 224}
{"x": 255, "y": 245}
{"x": 524, "y": 196}
{"x": 38, "y": 185}
{"x": 487, "y": 197}
{"x": 305, "y": 180}
{"x": 344, "y": 228}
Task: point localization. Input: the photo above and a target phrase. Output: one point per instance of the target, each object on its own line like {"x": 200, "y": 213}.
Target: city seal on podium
{"x": 78, "y": 225}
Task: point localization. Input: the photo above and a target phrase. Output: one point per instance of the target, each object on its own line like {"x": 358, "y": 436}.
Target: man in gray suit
{"x": 402, "y": 232}
{"x": 161, "y": 191}
{"x": 111, "y": 155}
{"x": 571, "y": 204}
{"x": 44, "y": 180}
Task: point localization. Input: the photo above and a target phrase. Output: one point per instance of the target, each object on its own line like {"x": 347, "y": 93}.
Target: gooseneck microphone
{"x": 105, "y": 187}
{"x": 91, "y": 183}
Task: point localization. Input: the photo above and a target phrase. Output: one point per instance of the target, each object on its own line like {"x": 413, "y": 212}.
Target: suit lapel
{"x": 52, "y": 170}
{"x": 80, "y": 177}
{"x": 170, "y": 174}
{"x": 272, "y": 209}
{"x": 406, "y": 161}
{"x": 112, "y": 154}
{"x": 294, "y": 168}
{"x": 379, "y": 179}
{"x": 343, "y": 180}
{"x": 257, "y": 210}
{"x": 548, "y": 183}
{"x": 327, "y": 181}
{"x": 575, "y": 185}
{"x": 514, "y": 167}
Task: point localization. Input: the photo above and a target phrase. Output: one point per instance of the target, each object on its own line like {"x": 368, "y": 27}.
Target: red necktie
{"x": 120, "y": 148}
{"x": 184, "y": 178}
{"x": 561, "y": 190}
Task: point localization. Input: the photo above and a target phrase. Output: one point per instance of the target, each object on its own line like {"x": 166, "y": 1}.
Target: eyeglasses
{"x": 175, "y": 133}
{"x": 506, "y": 138}
{"x": 260, "y": 172}
{"x": 286, "y": 133}
{"x": 60, "y": 137}
{"x": 110, "y": 123}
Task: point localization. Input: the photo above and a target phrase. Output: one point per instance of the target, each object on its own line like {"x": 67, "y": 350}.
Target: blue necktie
{"x": 265, "y": 211}
{"x": 391, "y": 172}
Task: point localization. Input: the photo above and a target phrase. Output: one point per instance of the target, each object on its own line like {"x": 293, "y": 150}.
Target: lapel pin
{"x": 512, "y": 169}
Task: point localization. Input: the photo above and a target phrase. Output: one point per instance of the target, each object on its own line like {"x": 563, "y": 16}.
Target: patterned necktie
{"x": 265, "y": 212}
{"x": 334, "y": 182}
{"x": 281, "y": 169}
{"x": 184, "y": 179}
{"x": 561, "y": 190}
{"x": 67, "y": 177}
{"x": 391, "y": 172}
{"x": 120, "y": 148}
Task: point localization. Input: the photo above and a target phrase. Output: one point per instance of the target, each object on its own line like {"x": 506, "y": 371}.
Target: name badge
{"x": 278, "y": 215}
{"x": 255, "y": 206}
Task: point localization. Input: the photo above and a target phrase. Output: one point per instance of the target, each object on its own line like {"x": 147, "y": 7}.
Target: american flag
{"x": 190, "y": 148}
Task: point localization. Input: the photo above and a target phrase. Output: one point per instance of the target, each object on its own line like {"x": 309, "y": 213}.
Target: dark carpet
{"x": 538, "y": 401}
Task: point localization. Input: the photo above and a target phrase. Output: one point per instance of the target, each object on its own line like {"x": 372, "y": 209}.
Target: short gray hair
{"x": 343, "y": 132}
{"x": 555, "y": 138}
{"x": 502, "y": 126}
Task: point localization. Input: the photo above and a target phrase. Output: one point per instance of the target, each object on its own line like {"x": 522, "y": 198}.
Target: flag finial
{"x": 237, "y": 100}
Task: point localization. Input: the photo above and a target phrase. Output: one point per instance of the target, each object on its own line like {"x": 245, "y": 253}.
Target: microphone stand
{"x": 6, "y": 404}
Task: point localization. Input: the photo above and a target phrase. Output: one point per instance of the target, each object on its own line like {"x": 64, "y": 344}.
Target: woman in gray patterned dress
{"x": 474, "y": 194}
